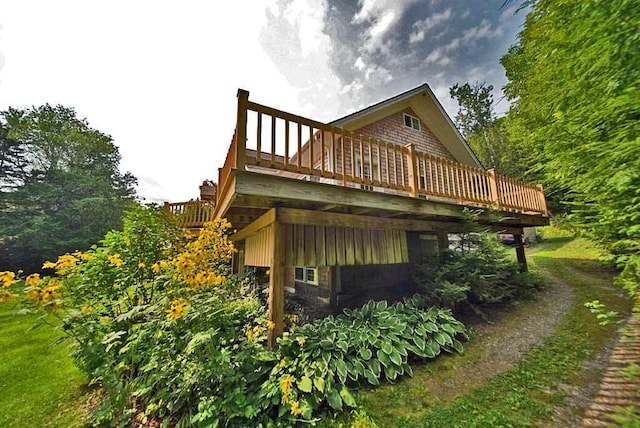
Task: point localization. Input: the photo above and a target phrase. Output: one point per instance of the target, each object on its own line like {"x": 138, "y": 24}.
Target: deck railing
{"x": 192, "y": 213}
{"x": 276, "y": 140}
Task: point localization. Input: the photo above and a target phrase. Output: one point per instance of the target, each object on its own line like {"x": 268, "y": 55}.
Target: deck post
{"x": 276, "y": 282}
{"x": 443, "y": 241}
{"x": 493, "y": 188}
{"x": 543, "y": 201}
{"x": 241, "y": 128}
{"x": 522, "y": 258}
{"x": 411, "y": 167}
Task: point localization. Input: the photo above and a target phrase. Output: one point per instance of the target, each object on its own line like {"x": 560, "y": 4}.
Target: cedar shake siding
{"x": 393, "y": 130}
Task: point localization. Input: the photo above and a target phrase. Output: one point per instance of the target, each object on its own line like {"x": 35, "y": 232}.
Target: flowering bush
{"x": 172, "y": 337}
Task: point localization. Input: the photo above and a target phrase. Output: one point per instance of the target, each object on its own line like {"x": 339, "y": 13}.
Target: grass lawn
{"x": 535, "y": 389}
{"x": 40, "y": 386}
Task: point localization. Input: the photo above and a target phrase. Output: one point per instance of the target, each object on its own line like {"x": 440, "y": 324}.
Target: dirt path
{"x": 506, "y": 340}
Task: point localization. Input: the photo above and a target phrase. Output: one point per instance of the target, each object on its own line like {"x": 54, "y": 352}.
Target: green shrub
{"x": 475, "y": 270}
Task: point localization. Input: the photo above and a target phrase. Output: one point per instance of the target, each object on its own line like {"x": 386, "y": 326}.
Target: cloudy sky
{"x": 161, "y": 77}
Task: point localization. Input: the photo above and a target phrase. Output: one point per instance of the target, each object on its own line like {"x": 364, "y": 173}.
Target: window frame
{"x": 305, "y": 270}
{"x": 413, "y": 120}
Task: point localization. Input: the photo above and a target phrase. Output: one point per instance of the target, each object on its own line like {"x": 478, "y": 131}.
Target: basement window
{"x": 411, "y": 122}
{"x": 308, "y": 275}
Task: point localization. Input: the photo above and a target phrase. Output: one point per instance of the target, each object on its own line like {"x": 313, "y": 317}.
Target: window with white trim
{"x": 308, "y": 275}
{"x": 411, "y": 121}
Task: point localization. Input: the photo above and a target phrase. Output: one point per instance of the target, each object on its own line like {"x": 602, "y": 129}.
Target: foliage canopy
{"x": 60, "y": 187}
{"x": 574, "y": 84}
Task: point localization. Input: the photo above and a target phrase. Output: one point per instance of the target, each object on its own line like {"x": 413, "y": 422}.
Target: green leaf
{"x": 365, "y": 353}
{"x": 390, "y": 373}
{"x": 318, "y": 382}
{"x": 341, "y": 367}
{"x": 347, "y": 397}
{"x": 419, "y": 341}
{"x": 374, "y": 366}
{"x": 371, "y": 378}
{"x": 457, "y": 346}
{"x": 448, "y": 328}
{"x": 386, "y": 347}
{"x": 342, "y": 345}
{"x": 334, "y": 399}
{"x": 395, "y": 358}
{"x": 305, "y": 384}
{"x": 430, "y": 327}
{"x": 383, "y": 358}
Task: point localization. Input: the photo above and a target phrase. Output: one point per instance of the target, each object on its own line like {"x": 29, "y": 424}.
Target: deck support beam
{"x": 522, "y": 258}
{"x": 276, "y": 282}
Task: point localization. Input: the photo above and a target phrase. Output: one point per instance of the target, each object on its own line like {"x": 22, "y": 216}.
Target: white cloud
{"x": 160, "y": 77}
{"x": 482, "y": 31}
{"x": 382, "y": 15}
{"x": 422, "y": 27}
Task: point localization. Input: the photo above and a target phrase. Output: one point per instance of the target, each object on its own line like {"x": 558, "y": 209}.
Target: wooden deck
{"x": 277, "y": 159}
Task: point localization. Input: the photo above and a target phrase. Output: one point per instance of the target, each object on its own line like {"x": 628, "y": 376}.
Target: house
{"x": 337, "y": 211}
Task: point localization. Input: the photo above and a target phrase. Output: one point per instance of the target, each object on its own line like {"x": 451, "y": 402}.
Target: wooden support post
{"x": 411, "y": 166}
{"x": 443, "y": 241}
{"x": 543, "y": 201}
{"x": 522, "y": 259}
{"x": 276, "y": 282}
{"x": 241, "y": 128}
{"x": 493, "y": 188}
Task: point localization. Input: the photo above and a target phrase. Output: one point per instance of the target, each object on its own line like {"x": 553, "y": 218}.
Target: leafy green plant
{"x": 599, "y": 310}
{"x": 322, "y": 362}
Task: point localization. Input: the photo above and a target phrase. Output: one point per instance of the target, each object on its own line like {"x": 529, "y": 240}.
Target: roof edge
{"x": 402, "y": 97}
{"x": 380, "y": 105}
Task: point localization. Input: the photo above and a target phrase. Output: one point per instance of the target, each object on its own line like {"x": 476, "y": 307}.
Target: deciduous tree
{"x": 574, "y": 84}
{"x": 60, "y": 187}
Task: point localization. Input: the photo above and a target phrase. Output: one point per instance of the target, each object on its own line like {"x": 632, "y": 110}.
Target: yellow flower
{"x": 285, "y": 384}
{"x": 249, "y": 334}
{"x": 257, "y": 329}
{"x": 141, "y": 265}
{"x": 7, "y": 278}
{"x": 177, "y": 309}
{"x": 157, "y": 266}
{"x": 64, "y": 263}
{"x": 35, "y": 295}
{"x": 285, "y": 387}
{"x": 6, "y": 296}
{"x": 295, "y": 408}
{"x": 79, "y": 255}
{"x": 301, "y": 340}
{"x": 33, "y": 280}
{"x": 115, "y": 260}
{"x": 271, "y": 325}
{"x": 283, "y": 362}
{"x": 51, "y": 291}
{"x": 86, "y": 309}
{"x": 48, "y": 265}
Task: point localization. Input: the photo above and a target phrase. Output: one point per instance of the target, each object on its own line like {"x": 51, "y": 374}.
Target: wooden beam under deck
{"x": 262, "y": 191}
